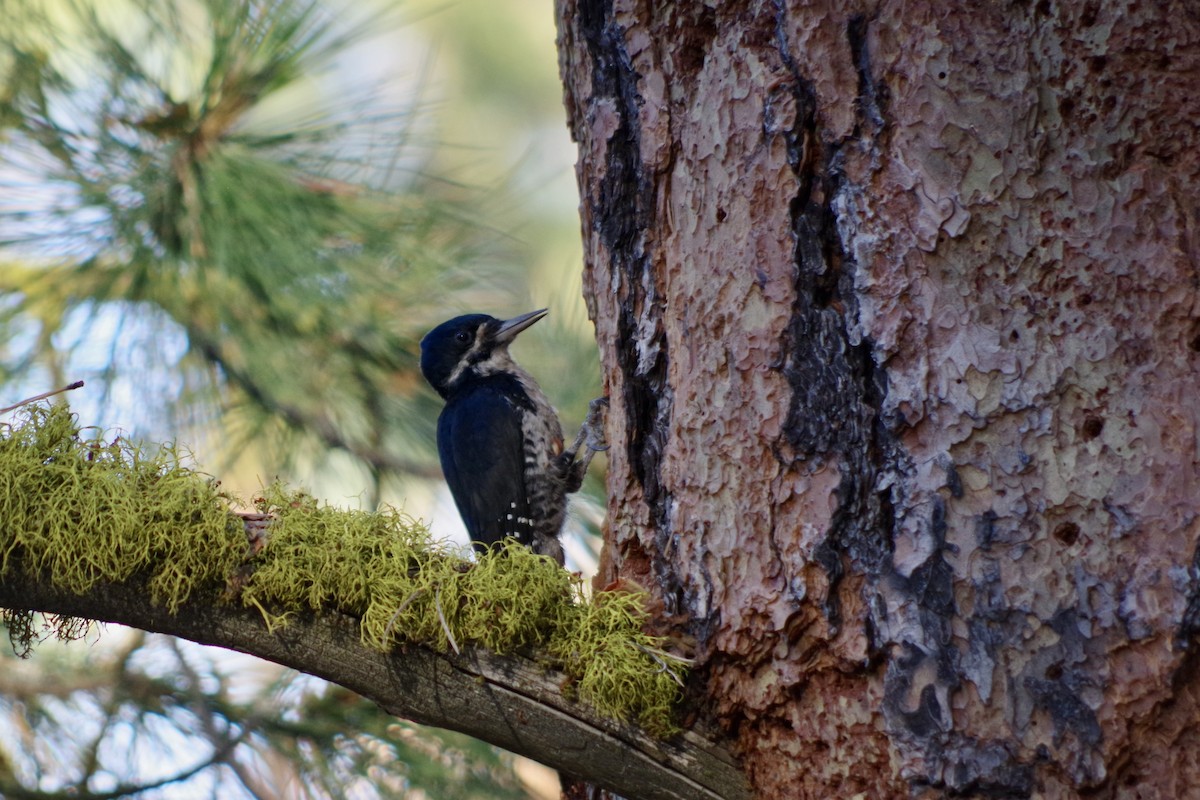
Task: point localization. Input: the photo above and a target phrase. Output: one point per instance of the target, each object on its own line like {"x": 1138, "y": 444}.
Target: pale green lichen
{"x": 81, "y": 511}
{"x": 383, "y": 567}
{"x": 620, "y": 669}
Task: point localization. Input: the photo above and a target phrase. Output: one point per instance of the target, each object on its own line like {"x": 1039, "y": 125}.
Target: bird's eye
{"x": 463, "y": 336}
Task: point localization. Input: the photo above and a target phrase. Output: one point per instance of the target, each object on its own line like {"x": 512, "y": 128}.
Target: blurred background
{"x": 235, "y": 221}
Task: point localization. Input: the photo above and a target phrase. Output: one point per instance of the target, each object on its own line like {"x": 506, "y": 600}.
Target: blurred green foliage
{"x": 295, "y": 257}
{"x": 156, "y": 718}
{"x": 236, "y": 229}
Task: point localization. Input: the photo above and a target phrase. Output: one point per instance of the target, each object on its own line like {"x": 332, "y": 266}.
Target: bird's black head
{"x": 470, "y": 347}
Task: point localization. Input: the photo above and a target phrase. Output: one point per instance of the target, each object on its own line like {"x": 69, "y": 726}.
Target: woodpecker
{"x": 499, "y": 439}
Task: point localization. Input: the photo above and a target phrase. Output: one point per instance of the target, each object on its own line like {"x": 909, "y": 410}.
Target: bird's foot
{"x": 591, "y": 433}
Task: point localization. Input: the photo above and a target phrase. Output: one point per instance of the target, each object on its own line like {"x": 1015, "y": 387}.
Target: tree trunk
{"x": 899, "y": 316}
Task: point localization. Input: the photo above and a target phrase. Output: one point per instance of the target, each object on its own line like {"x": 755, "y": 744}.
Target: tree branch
{"x": 512, "y": 702}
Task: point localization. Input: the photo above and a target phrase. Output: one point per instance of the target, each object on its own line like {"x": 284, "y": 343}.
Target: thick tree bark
{"x": 898, "y": 311}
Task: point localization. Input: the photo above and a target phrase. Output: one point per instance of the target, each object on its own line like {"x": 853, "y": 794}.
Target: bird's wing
{"x": 482, "y": 453}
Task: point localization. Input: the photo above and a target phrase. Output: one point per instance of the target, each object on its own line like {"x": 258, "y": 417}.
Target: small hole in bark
{"x": 1067, "y": 533}
{"x": 941, "y": 76}
{"x": 1085, "y": 300}
{"x": 721, "y": 215}
{"x": 1092, "y": 426}
{"x": 1054, "y": 671}
{"x": 1014, "y": 336}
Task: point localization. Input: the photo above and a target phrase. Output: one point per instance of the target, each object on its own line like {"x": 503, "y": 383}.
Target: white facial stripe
{"x": 497, "y": 361}
{"x": 465, "y": 361}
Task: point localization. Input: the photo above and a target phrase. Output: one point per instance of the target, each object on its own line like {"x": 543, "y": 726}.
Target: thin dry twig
{"x": 437, "y": 603}
{"x": 41, "y": 396}
{"x": 391, "y": 626}
{"x": 661, "y": 657}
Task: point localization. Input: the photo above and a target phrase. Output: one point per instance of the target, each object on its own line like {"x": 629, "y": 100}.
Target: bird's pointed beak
{"x": 509, "y": 328}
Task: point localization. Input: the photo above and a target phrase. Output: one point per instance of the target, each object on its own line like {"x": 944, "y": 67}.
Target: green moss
{"x": 319, "y": 557}
{"x": 620, "y": 669}
{"x": 84, "y": 511}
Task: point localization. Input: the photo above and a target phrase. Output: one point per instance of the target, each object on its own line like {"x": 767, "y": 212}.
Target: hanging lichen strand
{"x": 78, "y": 511}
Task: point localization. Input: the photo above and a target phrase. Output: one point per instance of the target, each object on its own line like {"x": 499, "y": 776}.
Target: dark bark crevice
{"x": 623, "y": 213}
{"x": 839, "y": 414}
{"x": 861, "y": 537}
{"x": 1189, "y": 623}
{"x": 837, "y": 388}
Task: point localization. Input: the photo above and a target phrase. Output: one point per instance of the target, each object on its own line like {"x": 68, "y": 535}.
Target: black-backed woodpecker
{"x": 499, "y": 439}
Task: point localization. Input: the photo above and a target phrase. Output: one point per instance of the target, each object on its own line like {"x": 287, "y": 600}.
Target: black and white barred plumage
{"x": 499, "y": 439}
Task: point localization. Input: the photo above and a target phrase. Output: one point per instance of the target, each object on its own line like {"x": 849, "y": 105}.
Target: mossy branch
{"x": 106, "y": 531}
